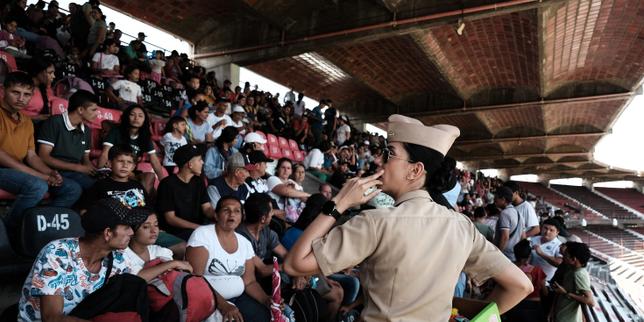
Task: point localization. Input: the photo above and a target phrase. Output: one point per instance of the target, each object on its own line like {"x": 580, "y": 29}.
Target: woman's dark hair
{"x": 444, "y": 179}
{"x": 257, "y": 206}
{"x": 169, "y": 127}
{"x": 220, "y": 202}
{"x": 144, "y": 131}
{"x": 432, "y": 160}
{"x": 38, "y": 65}
{"x": 579, "y": 251}
{"x": 480, "y": 212}
{"x": 522, "y": 249}
{"x": 312, "y": 209}
{"x": 228, "y": 135}
{"x": 282, "y": 160}
{"x": 200, "y": 106}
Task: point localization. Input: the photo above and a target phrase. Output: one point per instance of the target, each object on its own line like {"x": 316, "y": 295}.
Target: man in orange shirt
{"x": 22, "y": 172}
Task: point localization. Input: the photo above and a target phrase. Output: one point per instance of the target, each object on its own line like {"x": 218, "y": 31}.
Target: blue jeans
{"x": 28, "y": 35}
{"x": 30, "y": 190}
{"x": 83, "y": 180}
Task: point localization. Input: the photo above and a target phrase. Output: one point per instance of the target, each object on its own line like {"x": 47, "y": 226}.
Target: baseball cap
{"x": 238, "y": 109}
{"x": 183, "y": 154}
{"x": 110, "y": 212}
{"x": 237, "y": 160}
{"x": 253, "y": 137}
{"x": 258, "y": 156}
{"x": 141, "y": 34}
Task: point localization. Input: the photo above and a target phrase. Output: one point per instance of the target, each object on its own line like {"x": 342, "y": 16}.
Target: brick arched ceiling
{"x": 533, "y": 85}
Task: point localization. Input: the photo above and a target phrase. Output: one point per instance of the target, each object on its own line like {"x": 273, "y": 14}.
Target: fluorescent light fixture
{"x": 331, "y": 72}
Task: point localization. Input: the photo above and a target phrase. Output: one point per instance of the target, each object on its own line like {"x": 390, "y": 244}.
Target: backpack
{"x": 192, "y": 295}
{"x": 69, "y": 85}
{"x": 309, "y": 306}
{"x": 121, "y": 298}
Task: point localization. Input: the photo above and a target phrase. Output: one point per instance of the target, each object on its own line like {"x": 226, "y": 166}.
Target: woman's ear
{"x": 417, "y": 170}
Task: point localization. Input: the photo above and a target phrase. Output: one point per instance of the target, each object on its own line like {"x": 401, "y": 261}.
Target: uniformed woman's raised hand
{"x": 357, "y": 191}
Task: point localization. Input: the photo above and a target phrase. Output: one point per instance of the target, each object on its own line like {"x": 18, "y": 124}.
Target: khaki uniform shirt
{"x": 411, "y": 257}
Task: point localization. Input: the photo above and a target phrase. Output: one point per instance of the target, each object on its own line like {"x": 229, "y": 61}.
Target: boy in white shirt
{"x": 128, "y": 89}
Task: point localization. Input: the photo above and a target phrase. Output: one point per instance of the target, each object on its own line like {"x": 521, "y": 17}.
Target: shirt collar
{"x": 69, "y": 125}
{"x": 413, "y": 195}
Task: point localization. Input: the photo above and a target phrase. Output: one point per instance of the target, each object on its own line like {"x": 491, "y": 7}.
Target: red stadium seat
{"x": 271, "y": 140}
{"x": 5, "y": 195}
{"x": 283, "y": 142}
{"x": 293, "y": 145}
{"x": 298, "y": 155}
{"x": 10, "y": 60}
{"x": 274, "y": 152}
{"x": 287, "y": 154}
{"x": 105, "y": 114}
{"x": 58, "y": 105}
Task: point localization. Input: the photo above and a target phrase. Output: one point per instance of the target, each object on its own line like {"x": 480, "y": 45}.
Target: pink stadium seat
{"x": 298, "y": 155}
{"x": 274, "y": 152}
{"x": 105, "y": 114}
{"x": 10, "y": 60}
{"x": 287, "y": 154}
{"x": 5, "y": 195}
{"x": 157, "y": 127}
{"x": 58, "y": 105}
{"x": 272, "y": 140}
{"x": 283, "y": 142}
{"x": 293, "y": 145}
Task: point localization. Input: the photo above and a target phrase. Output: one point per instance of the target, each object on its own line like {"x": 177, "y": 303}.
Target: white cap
{"x": 238, "y": 109}
{"x": 253, "y": 137}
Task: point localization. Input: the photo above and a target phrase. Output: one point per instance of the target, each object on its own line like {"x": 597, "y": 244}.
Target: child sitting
{"x": 173, "y": 138}
{"x": 120, "y": 185}
{"x": 143, "y": 250}
{"x": 11, "y": 42}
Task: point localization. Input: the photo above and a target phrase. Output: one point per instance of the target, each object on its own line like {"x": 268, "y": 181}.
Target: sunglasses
{"x": 386, "y": 155}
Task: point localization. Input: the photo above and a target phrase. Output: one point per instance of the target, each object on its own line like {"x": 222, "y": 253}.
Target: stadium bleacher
{"x": 594, "y": 201}
{"x": 629, "y": 197}
{"x": 559, "y": 201}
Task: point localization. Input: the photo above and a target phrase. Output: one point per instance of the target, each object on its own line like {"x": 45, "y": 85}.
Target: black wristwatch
{"x": 329, "y": 209}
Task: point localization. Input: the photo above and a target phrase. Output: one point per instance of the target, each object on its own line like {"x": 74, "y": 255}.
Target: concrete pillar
{"x": 639, "y": 185}
{"x": 588, "y": 183}
{"x": 227, "y": 72}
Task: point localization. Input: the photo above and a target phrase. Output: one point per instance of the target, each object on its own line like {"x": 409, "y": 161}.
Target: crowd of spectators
{"x": 215, "y": 208}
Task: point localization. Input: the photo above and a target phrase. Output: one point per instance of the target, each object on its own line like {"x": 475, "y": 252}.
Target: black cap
{"x": 503, "y": 193}
{"x": 183, "y": 154}
{"x": 110, "y": 212}
{"x": 257, "y": 156}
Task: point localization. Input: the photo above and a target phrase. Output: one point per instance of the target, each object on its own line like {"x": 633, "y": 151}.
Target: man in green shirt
{"x": 574, "y": 288}
{"x": 65, "y": 142}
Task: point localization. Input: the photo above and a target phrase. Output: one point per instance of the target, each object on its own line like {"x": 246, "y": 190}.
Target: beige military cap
{"x": 405, "y": 129}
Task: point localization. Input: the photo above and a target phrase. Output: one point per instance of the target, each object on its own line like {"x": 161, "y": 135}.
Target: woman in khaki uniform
{"x": 411, "y": 255}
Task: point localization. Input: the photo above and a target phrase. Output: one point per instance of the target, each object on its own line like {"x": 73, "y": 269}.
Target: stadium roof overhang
{"x": 533, "y": 85}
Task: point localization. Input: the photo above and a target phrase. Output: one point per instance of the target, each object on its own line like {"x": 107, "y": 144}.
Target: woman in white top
{"x": 143, "y": 250}
{"x": 289, "y": 194}
{"x": 200, "y": 130}
{"x": 225, "y": 259}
